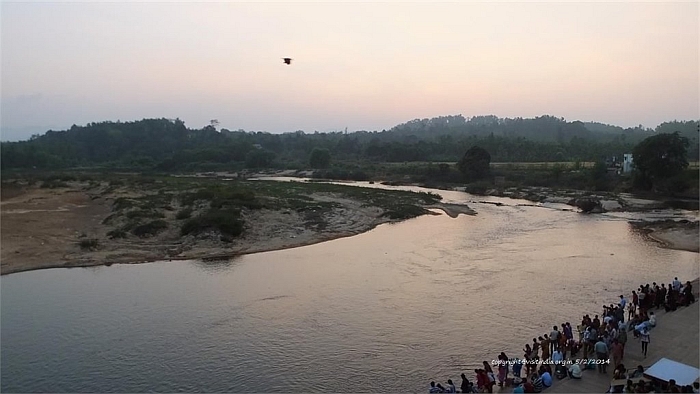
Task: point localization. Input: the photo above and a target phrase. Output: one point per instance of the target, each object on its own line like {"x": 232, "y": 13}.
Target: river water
{"x": 387, "y": 310}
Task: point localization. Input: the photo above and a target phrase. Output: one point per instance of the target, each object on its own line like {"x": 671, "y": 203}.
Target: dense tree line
{"x": 168, "y": 145}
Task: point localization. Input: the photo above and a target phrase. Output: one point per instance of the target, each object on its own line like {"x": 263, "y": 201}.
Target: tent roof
{"x": 666, "y": 370}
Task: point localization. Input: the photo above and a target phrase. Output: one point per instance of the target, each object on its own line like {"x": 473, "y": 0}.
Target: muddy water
{"x": 387, "y": 310}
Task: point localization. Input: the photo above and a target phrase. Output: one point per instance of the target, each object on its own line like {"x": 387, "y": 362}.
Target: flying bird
{"x": 287, "y": 60}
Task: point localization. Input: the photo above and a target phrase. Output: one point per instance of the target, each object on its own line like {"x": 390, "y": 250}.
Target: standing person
{"x": 651, "y": 299}
{"x": 676, "y": 284}
{"x": 527, "y": 361}
{"x": 528, "y": 350}
{"x": 623, "y": 301}
{"x": 593, "y": 337}
{"x": 517, "y": 368}
{"x": 554, "y": 338}
{"x": 688, "y": 293}
{"x": 658, "y": 297}
{"x": 645, "y": 339}
{"x": 562, "y": 345}
{"x": 622, "y": 340}
{"x": 601, "y": 351}
{"x": 481, "y": 379}
{"x": 642, "y": 300}
{"x": 502, "y": 369}
{"x": 491, "y": 378}
{"x": 466, "y": 386}
{"x": 545, "y": 348}
{"x": 616, "y": 352}
{"x": 568, "y": 332}
{"x": 506, "y": 360}
{"x": 661, "y": 298}
{"x": 535, "y": 349}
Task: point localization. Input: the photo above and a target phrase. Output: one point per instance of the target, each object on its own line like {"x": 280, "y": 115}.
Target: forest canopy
{"x": 168, "y": 145}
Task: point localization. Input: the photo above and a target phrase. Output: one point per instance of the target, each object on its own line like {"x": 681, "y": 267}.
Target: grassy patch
{"x": 144, "y": 213}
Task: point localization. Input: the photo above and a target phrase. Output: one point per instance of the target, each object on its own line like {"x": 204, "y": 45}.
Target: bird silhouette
{"x": 287, "y": 60}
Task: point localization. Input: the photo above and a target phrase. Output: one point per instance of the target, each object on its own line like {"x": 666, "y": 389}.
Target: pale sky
{"x": 362, "y": 66}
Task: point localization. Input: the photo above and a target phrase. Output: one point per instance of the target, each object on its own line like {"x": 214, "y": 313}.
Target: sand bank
{"x": 42, "y": 228}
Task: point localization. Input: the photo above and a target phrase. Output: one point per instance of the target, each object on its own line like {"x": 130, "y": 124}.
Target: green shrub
{"x": 184, "y": 214}
{"x": 89, "y": 243}
{"x": 122, "y": 203}
{"x": 53, "y": 184}
{"x": 225, "y": 221}
{"x": 149, "y": 229}
{"x": 117, "y": 233}
{"x": 478, "y": 188}
{"x": 109, "y": 218}
{"x": 143, "y": 213}
{"x": 405, "y": 211}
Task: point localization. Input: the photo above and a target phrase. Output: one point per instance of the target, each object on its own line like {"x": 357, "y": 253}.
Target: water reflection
{"x": 216, "y": 265}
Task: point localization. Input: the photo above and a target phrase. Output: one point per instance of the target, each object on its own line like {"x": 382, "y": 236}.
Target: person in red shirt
{"x": 481, "y": 379}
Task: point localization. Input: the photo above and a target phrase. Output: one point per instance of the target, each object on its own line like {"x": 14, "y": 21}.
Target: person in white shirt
{"x": 652, "y": 319}
{"x": 676, "y": 284}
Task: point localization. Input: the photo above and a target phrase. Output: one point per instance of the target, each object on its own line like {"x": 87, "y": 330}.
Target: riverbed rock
{"x": 587, "y": 204}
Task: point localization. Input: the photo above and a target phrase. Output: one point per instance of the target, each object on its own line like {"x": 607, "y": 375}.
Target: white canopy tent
{"x": 666, "y": 370}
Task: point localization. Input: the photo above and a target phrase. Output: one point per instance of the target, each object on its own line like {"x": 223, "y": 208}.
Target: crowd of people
{"x": 601, "y": 341}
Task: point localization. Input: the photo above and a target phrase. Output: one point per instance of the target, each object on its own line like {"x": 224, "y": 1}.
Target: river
{"x": 387, "y": 310}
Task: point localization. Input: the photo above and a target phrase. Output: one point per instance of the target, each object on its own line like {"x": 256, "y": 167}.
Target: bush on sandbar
{"x": 225, "y": 221}
{"x": 149, "y": 229}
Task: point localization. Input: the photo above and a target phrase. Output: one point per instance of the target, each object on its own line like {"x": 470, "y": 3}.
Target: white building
{"x": 627, "y": 163}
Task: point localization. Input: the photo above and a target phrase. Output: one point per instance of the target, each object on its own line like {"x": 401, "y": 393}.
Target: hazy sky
{"x": 356, "y": 65}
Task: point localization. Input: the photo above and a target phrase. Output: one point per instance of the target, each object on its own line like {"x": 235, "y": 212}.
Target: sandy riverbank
{"x": 679, "y": 235}
{"x": 42, "y": 228}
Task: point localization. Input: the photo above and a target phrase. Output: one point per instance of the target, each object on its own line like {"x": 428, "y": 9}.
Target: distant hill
{"x": 543, "y": 128}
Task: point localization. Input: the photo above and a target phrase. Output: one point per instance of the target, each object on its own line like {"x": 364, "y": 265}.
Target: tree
{"x": 475, "y": 164}
{"x": 320, "y": 158}
{"x": 259, "y": 158}
{"x": 658, "y": 158}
